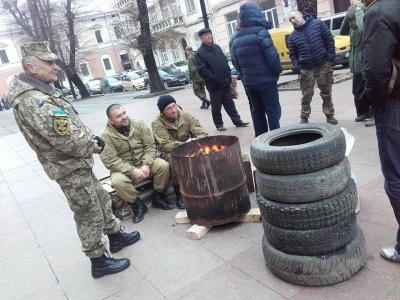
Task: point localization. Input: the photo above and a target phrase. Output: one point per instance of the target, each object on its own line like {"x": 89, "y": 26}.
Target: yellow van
{"x": 280, "y": 37}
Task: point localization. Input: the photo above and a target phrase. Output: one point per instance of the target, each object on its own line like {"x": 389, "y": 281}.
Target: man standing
{"x": 257, "y": 61}
{"x": 352, "y": 25}
{"x": 171, "y": 128}
{"x": 64, "y": 147}
{"x": 199, "y": 87}
{"x": 130, "y": 155}
{"x": 381, "y": 44}
{"x": 213, "y": 67}
{"x": 312, "y": 51}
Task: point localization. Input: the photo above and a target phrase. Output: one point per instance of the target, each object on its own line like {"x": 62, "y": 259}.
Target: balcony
{"x": 166, "y": 23}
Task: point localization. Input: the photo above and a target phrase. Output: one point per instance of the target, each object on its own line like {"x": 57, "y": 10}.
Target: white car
{"x": 179, "y": 65}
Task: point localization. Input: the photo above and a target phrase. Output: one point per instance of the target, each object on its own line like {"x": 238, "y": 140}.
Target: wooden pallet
{"x": 196, "y": 232}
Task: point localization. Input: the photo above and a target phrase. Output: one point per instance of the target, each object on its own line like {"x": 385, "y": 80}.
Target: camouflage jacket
{"x": 124, "y": 153}
{"x": 168, "y": 135}
{"x": 51, "y": 127}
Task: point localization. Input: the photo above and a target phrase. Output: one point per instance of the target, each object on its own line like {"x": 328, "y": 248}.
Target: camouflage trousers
{"x": 123, "y": 185}
{"x": 324, "y": 78}
{"x": 91, "y": 205}
{"x": 199, "y": 89}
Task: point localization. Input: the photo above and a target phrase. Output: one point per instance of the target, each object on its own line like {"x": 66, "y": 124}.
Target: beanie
{"x": 351, "y": 14}
{"x": 164, "y": 101}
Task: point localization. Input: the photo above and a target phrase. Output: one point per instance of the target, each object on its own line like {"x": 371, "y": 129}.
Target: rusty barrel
{"x": 213, "y": 185}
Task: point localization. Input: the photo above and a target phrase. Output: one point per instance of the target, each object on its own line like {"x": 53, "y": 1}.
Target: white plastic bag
{"x": 349, "y": 145}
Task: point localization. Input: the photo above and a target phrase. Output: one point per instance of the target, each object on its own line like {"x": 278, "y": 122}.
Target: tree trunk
{"x": 145, "y": 46}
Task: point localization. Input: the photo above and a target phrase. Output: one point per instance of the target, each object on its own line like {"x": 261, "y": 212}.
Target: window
{"x": 176, "y": 10}
{"x": 118, "y": 32}
{"x": 107, "y": 64}
{"x": 164, "y": 9}
{"x": 269, "y": 12}
{"x": 164, "y": 54}
{"x": 153, "y": 15}
{"x": 98, "y": 36}
{"x": 3, "y": 57}
{"x": 84, "y": 69}
{"x": 175, "y": 51}
{"x": 231, "y": 22}
{"x": 190, "y": 5}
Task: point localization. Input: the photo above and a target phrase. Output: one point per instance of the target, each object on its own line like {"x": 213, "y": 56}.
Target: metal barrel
{"x": 213, "y": 185}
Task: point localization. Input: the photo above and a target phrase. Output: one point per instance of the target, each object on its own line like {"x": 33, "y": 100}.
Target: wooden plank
{"x": 197, "y": 232}
{"x": 182, "y": 218}
{"x": 254, "y": 215}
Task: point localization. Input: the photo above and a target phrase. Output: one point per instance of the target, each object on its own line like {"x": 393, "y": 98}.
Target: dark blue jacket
{"x": 253, "y": 52}
{"x": 311, "y": 45}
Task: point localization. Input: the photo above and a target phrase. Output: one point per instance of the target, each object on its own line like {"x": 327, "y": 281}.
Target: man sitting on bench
{"x": 171, "y": 128}
{"x": 130, "y": 155}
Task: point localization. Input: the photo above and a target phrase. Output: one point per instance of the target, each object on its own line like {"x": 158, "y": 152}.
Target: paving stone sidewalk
{"x": 40, "y": 251}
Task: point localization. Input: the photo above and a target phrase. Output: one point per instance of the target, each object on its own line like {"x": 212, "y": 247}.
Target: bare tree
{"x": 42, "y": 20}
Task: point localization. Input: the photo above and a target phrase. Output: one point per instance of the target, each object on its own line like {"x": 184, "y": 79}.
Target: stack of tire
{"x": 307, "y": 201}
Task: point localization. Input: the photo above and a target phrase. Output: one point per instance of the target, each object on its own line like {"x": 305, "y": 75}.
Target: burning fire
{"x": 207, "y": 150}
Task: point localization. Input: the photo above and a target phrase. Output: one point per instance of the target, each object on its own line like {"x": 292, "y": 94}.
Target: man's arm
{"x": 344, "y": 27}
{"x": 329, "y": 42}
{"x": 269, "y": 51}
{"x": 161, "y": 135}
{"x": 191, "y": 66}
{"x": 379, "y": 44}
{"x": 202, "y": 69}
{"x": 149, "y": 145}
{"x": 196, "y": 129}
{"x": 293, "y": 54}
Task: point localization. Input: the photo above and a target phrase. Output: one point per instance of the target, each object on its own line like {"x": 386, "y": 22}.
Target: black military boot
{"x": 179, "y": 200}
{"x": 139, "y": 209}
{"x": 203, "y": 106}
{"x": 121, "y": 239}
{"x": 160, "y": 202}
{"x": 105, "y": 265}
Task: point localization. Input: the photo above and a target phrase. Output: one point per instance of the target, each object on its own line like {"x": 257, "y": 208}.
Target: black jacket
{"x": 381, "y": 42}
{"x": 212, "y": 65}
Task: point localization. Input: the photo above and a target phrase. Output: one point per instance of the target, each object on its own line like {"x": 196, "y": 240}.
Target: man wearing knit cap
{"x": 130, "y": 155}
{"x": 65, "y": 148}
{"x": 213, "y": 67}
{"x": 171, "y": 128}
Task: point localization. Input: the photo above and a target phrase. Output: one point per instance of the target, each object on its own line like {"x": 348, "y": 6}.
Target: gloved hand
{"x": 100, "y": 143}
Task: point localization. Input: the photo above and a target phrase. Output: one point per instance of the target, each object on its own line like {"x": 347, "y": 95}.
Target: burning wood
{"x": 204, "y": 150}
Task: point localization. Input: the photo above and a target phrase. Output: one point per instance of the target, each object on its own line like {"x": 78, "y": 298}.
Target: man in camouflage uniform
{"x": 312, "y": 51}
{"x": 130, "y": 155}
{"x": 64, "y": 147}
{"x": 171, "y": 128}
{"x": 199, "y": 86}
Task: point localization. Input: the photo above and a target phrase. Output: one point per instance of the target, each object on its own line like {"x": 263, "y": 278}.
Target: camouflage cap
{"x": 39, "y": 49}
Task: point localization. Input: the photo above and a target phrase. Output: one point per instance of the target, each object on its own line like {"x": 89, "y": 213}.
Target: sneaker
{"x": 390, "y": 254}
{"x": 370, "y": 122}
{"x": 362, "y": 117}
{"x": 222, "y": 128}
{"x": 304, "y": 121}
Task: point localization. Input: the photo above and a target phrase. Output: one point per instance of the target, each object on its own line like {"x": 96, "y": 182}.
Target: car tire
{"x": 319, "y": 270}
{"x": 313, "y": 241}
{"x": 313, "y": 215}
{"x": 307, "y": 187}
{"x": 298, "y": 149}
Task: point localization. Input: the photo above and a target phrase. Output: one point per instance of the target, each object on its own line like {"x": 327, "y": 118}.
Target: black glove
{"x": 100, "y": 142}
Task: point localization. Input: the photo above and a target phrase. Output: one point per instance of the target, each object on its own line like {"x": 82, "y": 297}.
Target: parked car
{"x": 115, "y": 84}
{"x": 334, "y": 21}
{"x": 98, "y": 85}
{"x": 133, "y": 81}
{"x": 67, "y": 91}
{"x": 171, "y": 79}
{"x": 180, "y": 65}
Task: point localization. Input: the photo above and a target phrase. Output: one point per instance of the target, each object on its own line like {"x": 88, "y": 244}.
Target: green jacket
{"x": 194, "y": 75}
{"x": 122, "y": 154}
{"x": 51, "y": 127}
{"x": 355, "y": 56}
{"x": 168, "y": 135}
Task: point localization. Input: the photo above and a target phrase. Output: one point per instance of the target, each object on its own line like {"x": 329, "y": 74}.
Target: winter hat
{"x": 351, "y": 14}
{"x": 164, "y": 101}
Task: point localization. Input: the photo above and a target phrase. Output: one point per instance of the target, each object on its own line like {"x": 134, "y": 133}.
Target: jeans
{"x": 222, "y": 97}
{"x": 265, "y": 106}
{"x": 387, "y": 120}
